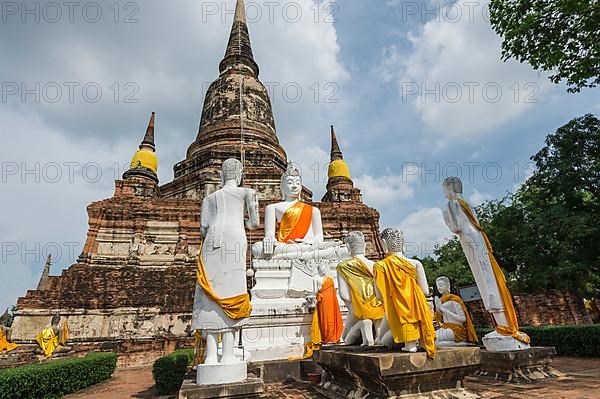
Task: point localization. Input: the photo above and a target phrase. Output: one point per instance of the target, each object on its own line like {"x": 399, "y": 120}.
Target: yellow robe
{"x": 237, "y": 307}
{"x": 48, "y": 341}
{"x": 406, "y": 308}
{"x": 295, "y": 223}
{"x": 512, "y": 330}
{"x": 462, "y": 332}
{"x": 4, "y": 344}
{"x": 362, "y": 289}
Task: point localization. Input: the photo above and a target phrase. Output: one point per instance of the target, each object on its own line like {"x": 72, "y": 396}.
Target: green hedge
{"x": 169, "y": 371}
{"x": 56, "y": 378}
{"x": 576, "y": 340}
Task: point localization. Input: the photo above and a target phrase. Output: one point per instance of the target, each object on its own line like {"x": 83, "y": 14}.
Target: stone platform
{"x": 250, "y": 388}
{"x": 354, "y": 372}
{"x": 519, "y": 367}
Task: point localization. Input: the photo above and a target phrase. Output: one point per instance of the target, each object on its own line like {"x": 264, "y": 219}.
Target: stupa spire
{"x": 149, "y": 137}
{"x": 43, "y": 283}
{"x": 239, "y": 48}
{"x": 336, "y": 153}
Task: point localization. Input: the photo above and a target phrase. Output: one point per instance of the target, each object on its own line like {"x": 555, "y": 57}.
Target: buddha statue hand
{"x": 269, "y": 245}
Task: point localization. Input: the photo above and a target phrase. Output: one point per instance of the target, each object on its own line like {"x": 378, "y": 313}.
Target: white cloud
{"x": 477, "y": 197}
{"x": 423, "y": 229}
{"x": 386, "y": 191}
{"x": 456, "y": 75}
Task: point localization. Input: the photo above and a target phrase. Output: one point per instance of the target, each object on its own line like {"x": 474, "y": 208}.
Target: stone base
{"x": 354, "y": 372}
{"x": 519, "y": 367}
{"x": 278, "y": 371}
{"x": 210, "y": 374}
{"x": 249, "y": 388}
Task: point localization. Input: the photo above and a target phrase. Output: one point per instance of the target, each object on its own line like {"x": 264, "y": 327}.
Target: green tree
{"x": 546, "y": 235}
{"x": 559, "y": 36}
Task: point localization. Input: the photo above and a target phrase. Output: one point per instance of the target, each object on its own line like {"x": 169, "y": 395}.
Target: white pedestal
{"x": 500, "y": 343}
{"x": 211, "y": 374}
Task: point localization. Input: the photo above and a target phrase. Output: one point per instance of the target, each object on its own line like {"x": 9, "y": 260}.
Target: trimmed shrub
{"x": 169, "y": 371}
{"x": 575, "y": 340}
{"x": 56, "y": 378}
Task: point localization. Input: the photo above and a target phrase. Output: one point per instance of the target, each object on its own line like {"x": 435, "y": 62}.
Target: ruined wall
{"x": 553, "y": 308}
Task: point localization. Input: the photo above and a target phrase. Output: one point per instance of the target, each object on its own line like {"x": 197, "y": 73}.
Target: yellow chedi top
{"x": 146, "y": 159}
{"x": 339, "y": 168}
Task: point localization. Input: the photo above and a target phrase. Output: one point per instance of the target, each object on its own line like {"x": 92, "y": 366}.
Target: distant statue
{"x": 136, "y": 249}
{"x": 5, "y": 334}
{"x": 221, "y": 303}
{"x": 401, "y": 285}
{"x": 300, "y": 234}
{"x": 462, "y": 220}
{"x": 327, "y": 312}
{"x": 357, "y": 289}
{"x": 54, "y": 337}
{"x": 453, "y": 316}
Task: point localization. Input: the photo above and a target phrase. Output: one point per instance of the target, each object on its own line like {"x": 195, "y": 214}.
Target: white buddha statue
{"x": 401, "y": 285}
{"x": 221, "y": 303}
{"x": 462, "y": 220}
{"x": 356, "y": 287}
{"x": 456, "y": 326}
{"x": 300, "y": 233}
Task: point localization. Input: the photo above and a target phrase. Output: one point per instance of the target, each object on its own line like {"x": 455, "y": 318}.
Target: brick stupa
{"x": 132, "y": 287}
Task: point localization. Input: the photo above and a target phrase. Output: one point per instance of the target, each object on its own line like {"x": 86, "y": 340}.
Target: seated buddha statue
{"x": 401, "y": 285}
{"x": 53, "y": 338}
{"x": 453, "y": 316}
{"x": 357, "y": 290}
{"x": 300, "y": 232}
{"x": 5, "y": 332}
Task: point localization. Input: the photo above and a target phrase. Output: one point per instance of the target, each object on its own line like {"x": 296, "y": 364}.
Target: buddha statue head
{"x": 232, "y": 170}
{"x": 453, "y": 187}
{"x": 291, "y": 183}
{"x": 5, "y": 319}
{"x": 443, "y": 285}
{"x": 355, "y": 241}
{"x": 393, "y": 240}
{"x": 55, "y": 320}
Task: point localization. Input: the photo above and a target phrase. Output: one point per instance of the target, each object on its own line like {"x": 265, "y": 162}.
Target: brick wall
{"x": 552, "y": 308}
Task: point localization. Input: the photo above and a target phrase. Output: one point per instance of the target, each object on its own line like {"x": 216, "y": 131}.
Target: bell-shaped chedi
{"x": 144, "y": 163}
{"x": 237, "y": 122}
{"x": 340, "y": 186}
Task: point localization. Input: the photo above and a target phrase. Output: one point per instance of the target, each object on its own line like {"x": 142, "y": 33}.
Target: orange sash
{"x": 512, "y": 330}
{"x": 237, "y": 307}
{"x": 295, "y": 222}
{"x": 404, "y": 301}
{"x": 330, "y": 318}
{"x": 462, "y": 332}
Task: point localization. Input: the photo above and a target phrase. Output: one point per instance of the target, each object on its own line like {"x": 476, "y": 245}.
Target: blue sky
{"x": 369, "y": 68}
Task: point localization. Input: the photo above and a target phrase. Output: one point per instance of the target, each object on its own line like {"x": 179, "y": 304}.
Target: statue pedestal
{"x": 495, "y": 342}
{"x": 209, "y": 374}
{"x": 279, "y": 327}
{"x": 379, "y": 373}
{"x": 519, "y": 367}
{"x": 249, "y": 388}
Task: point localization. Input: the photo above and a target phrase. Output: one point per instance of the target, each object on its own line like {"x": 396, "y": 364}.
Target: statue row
{"x": 388, "y": 296}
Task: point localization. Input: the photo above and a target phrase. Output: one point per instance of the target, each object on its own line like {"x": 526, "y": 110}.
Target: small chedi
{"x": 401, "y": 285}
{"x": 452, "y": 315}
{"x": 357, "y": 289}
{"x": 221, "y": 303}
{"x": 462, "y": 220}
{"x": 5, "y": 334}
